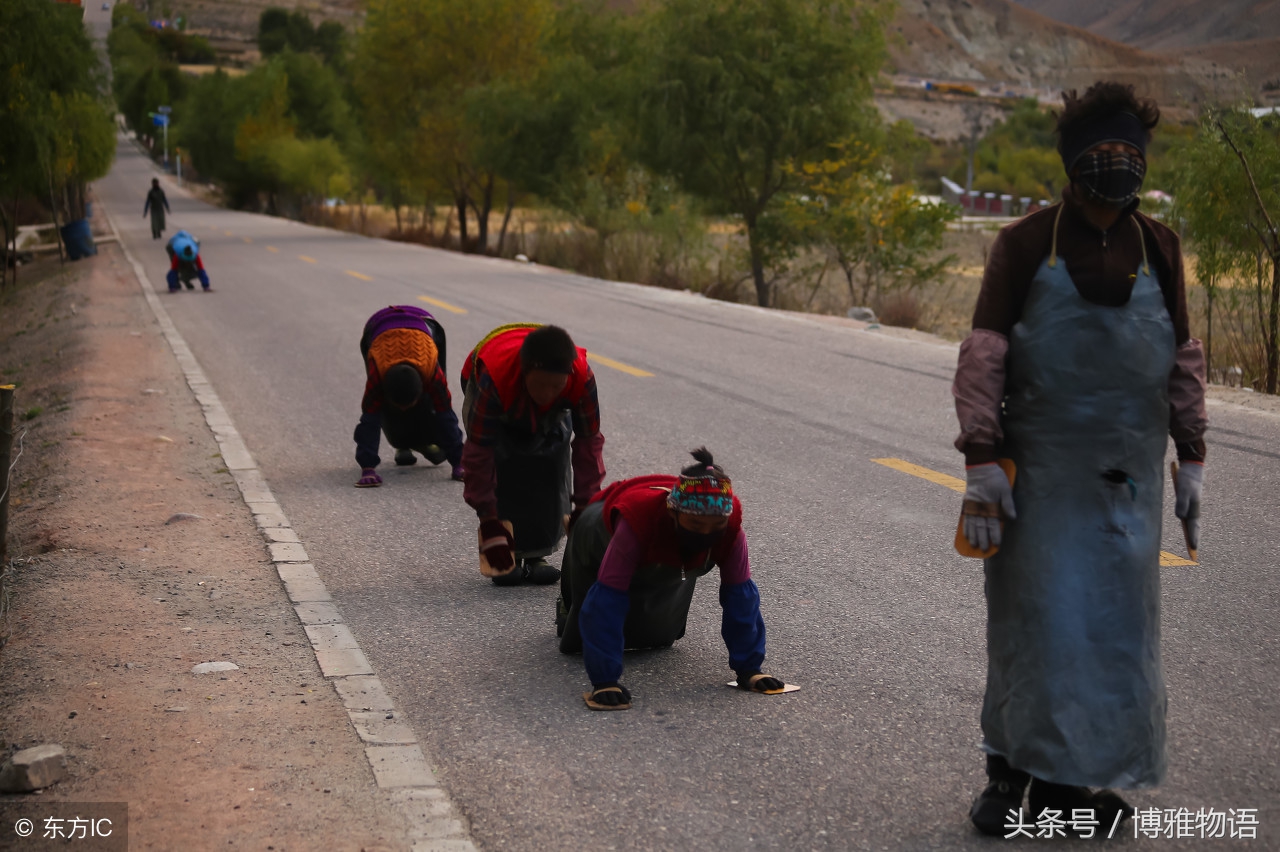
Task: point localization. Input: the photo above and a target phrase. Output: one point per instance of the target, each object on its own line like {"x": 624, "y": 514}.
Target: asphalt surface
{"x": 868, "y": 607}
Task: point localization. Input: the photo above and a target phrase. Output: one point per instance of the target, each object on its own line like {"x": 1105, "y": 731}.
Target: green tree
{"x": 52, "y": 135}
{"x": 556, "y": 132}
{"x": 81, "y": 148}
{"x": 242, "y": 132}
{"x": 415, "y": 63}
{"x": 333, "y": 44}
{"x": 736, "y": 91}
{"x": 279, "y": 29}
{"x": 1228, "y": 199}
{"x": 884, "y": 237}
{"x": 1019, "y": 155}
{"x": 143, "y": 75}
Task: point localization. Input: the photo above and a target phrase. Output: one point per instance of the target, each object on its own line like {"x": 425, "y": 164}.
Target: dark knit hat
{"x": 1125, "y": 127}
{"x": 703, "y": 488}
{"x": 402, "y": 385}
{"x": 548, "y": 348}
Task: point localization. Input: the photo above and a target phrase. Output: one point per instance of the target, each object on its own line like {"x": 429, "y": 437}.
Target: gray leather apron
{"x": 660, "y": 594}
{"x": 1075, "y": 692}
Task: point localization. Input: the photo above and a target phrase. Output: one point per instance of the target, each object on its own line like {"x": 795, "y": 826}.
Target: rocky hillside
{"x": 1167, "y": 25}
{"x": 998, "y": 40}
{"x": 1243, "y": 35}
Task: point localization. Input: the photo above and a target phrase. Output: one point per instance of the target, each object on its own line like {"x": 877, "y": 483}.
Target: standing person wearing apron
{"x": 156, "y": 204}
{"x": 527, "y": 390}
{"x": 1079, "y": 367}
{"x": 635, "y": 554}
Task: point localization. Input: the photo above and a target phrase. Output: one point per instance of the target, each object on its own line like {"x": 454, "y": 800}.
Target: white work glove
{"x": 988, "y": 496}
{"x": 1187, "y": 490}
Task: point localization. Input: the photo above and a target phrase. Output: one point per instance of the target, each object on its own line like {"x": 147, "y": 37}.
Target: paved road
{"x": 867, "y": 605}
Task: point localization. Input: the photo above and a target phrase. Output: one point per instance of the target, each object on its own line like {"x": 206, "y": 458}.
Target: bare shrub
{"x": 899, "y": 309}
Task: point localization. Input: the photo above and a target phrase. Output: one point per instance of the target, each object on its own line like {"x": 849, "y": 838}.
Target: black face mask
{"x": 1113, "y": 178}
{"x": 695, "y": 542}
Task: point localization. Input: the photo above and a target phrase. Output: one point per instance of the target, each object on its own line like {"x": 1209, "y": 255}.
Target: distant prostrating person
{"x": 406, "y": 394}
{"x": 1080, "y": 368}
{"x": 534, "y": 450}
{"x": 185, "y": 263}
{"x": 157, "y": 205}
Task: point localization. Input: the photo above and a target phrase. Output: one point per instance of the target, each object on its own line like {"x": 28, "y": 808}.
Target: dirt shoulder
{"x": 111, "y": 606}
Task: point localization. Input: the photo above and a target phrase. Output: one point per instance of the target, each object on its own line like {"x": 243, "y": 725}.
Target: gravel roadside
{"x": 113, "y": 601}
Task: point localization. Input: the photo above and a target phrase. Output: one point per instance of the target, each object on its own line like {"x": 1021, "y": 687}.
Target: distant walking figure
{"x": 157, "y": 204}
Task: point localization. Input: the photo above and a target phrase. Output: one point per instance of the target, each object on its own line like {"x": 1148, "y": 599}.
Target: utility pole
{"x": 165, "y": 112}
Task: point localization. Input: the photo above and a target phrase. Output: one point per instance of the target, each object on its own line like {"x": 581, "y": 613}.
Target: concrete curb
{"x": 395, "y": 758}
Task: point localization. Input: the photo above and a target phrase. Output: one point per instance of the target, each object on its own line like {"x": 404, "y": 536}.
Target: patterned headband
{"x": 702, "y": 495}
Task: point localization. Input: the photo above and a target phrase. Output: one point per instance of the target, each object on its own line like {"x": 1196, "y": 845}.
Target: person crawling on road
{"x": 406, "y": 393}
{"x": 184, "y": 262}
{"x": 526, "y": 388}
{"x": 635, "y": 553}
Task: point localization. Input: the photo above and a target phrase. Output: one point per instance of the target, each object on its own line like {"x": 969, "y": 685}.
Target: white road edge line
{"x": 394, "y": 756}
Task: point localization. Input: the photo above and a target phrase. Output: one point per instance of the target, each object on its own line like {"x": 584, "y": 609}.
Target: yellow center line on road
{"x": 307, "y": 259}
{"x": 228, "y": 233}
{"x": 924, "y": 473}
{"x": 359, "y": 275}
{"x": 1167, "y": 560}
{"x": 247, "y": 239}
{"x": 453, "y": 309}
{"x": 273, "y": 249}
{"x": 618, "y": 365}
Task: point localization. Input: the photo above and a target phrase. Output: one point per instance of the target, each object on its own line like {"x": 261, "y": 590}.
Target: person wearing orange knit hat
{"x": 406, "y": 395}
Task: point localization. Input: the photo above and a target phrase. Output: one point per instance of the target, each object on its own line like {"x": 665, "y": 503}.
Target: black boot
{"x": 1108, "y": 809}
{"x": 990, "y": 811}
{"x": 404, "y": 458}
{"x": 540, "y": 572}
{"x": 562, "y": 616}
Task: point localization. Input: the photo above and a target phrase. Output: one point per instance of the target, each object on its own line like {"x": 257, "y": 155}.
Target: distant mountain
{"x": 1167, "y": 25}
{"x": 999, "y": 40}
{"x": 990, "y": 41}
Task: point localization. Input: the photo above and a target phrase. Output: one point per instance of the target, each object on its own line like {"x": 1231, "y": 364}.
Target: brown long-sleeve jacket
{"x": 1103, "y": 266}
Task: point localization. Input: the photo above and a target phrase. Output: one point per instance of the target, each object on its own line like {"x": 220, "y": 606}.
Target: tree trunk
{"x": 1208, "y": 336}
{"x": 757, "y": 264}
{"x": 482, "y": 210}
{"x": 1273, "y": 326}
{"x": 506, "y": 219}
{"x": 53, "y": 208}
{"x": 5, "y": 255}
{"x": 13, "y": 217}
{"x": 399, "y": 228}
{"x": 460, "y": 201}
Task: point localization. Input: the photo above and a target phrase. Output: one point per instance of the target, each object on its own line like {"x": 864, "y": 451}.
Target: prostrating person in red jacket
{"x": 406, "y": 393}
{"x": 534, "y": 450}
{"x": 634, "y": 555}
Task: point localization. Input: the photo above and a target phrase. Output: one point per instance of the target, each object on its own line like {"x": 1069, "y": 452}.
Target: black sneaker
{"x": 1108, "y": 808}
{"x": 404, "y": 458}
{"x": 514, "y": 577}
{"x": 990, "y": 811}
{"x": 540, "y": 572}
